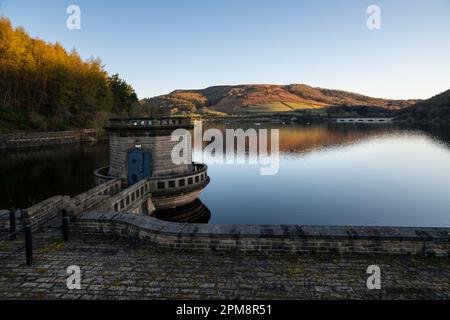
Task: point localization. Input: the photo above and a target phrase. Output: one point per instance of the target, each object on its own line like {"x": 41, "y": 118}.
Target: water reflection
{"x": 28, "y": 177}
{"x": 334, "y": 174}
{"x": 330, "y": 174}
{"x": 195, "y": 212}
{"x": 439, "y": 133}
{"x": 302, "y": 139}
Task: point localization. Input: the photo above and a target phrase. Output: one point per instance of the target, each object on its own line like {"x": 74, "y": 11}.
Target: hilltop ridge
{"x": 265, "y": 98}
{"x": 435, "y": 109}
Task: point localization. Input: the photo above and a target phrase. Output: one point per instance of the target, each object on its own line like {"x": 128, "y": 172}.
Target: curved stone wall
{"x": 274, "y": 238}
{"x": 102, "y": 176}
{"x": 194, "y": 179}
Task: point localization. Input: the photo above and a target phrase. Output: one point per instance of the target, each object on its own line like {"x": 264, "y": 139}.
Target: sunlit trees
{"x": 44, "y": 87}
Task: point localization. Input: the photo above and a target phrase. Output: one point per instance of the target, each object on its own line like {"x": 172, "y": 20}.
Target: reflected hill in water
{"x": 318, "y": 137}
{"x": 28, "y": 177}
{"x": 337, "y": 135}
{"x": 306, "y": 139}
{"x": 302, "y": 139}
{"x": 439, "y": 133}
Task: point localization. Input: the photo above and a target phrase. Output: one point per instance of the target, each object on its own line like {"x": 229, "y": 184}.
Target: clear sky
{"x": 162, "y": 45}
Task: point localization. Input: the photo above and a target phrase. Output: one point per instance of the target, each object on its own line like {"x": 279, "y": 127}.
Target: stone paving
{"x": 116, "y": 269}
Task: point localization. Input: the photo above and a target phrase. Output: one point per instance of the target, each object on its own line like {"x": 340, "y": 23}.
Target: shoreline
{"x": 33, "y": 140}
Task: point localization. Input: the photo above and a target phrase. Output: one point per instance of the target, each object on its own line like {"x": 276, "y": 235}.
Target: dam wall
{"x": 421, "y": 242}
{"x": 29, "y": 140}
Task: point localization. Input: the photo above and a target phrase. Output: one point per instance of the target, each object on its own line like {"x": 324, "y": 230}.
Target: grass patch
{"x": 42, "y": 270}
{"x": 142, "y": 253}
{"x": 55, "y": 246}
{"x": 280, "y": 106}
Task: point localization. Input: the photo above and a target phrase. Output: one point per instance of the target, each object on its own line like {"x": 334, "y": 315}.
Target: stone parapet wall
{"x": 102, "y": 176}
{"x": 4, "y": 219}
{"x": 131, "y": 198}
{"x": 42, "y": 139}
{"x": 45, "y": 210}
{"x": 275, "y": 238}
{"x": 94, "y": 198}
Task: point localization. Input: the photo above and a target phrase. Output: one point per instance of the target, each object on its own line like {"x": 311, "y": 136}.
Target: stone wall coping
{"x": 47, "y": 203}
{"x": 4, "y": 214}
{"x": 27, "y": 140}
{"x": 48, "y": 133}
{"x": 270, "y": 231}
{"x": 77, "y": 200}
{"x": 193, "y": 173}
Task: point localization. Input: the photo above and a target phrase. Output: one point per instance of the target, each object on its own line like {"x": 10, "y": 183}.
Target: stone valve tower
{"x": 140, "y": 149}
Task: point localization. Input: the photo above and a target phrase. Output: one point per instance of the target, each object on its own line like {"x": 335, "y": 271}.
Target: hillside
{"x": 44, "y": 88}
{"x": 263, "y": 99}
{"x": 435, "y": 109}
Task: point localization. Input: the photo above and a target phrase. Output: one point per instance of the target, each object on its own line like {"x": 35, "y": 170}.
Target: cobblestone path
{"x": 116, "y": 269}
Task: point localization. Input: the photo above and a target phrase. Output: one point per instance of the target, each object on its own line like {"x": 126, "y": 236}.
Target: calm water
{"x": 329, "y": 174}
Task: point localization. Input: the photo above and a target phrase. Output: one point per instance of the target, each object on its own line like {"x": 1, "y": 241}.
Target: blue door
{"x": 139, "y": 166}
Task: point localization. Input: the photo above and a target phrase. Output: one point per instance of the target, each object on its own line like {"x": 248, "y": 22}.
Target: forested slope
{"x": 44, "y": 87}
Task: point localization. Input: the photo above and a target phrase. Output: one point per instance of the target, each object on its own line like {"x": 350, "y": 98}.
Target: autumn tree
{"x": 45, "y": 87}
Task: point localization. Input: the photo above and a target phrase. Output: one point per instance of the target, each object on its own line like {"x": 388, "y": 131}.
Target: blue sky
{"x": 162, "y": 45}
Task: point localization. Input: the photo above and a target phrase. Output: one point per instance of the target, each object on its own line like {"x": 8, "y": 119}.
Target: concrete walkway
{"x": 116, "y": 269}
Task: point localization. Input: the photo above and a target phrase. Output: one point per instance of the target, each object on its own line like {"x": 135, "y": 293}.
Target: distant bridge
{"x": 364, "y": 120}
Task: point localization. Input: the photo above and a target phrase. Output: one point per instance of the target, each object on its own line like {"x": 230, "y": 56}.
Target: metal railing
{"x": 28, "y": 229}
{"x": 147, "y": 122}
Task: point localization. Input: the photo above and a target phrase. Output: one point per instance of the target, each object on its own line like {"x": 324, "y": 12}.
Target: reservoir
{"x": 329, "y": 174}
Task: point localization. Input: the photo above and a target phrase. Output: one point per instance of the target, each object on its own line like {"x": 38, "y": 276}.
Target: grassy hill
{"x": 260, "y": 99}
{"x": 275, "y": 107}
{"x": 435, "y": 109}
